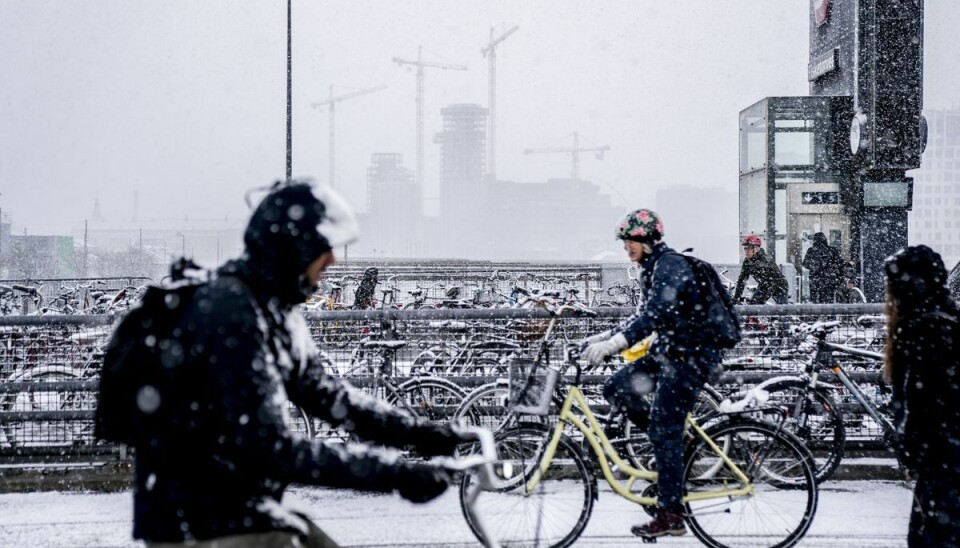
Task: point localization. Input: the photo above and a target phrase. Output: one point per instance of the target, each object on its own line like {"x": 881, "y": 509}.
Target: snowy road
{"x": 850, "y": 514}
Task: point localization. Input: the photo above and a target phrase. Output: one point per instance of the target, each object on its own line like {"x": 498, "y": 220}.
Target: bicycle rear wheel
{"x": 48, "y": 431}
{"x": 815, "y": 418}
{"x": 558, "y": 510}
{"x": 780, "y": 470}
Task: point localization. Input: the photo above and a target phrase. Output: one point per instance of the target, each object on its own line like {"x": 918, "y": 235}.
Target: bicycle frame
{"x": 607, "y": 455}
{"x": 824, "y": 358}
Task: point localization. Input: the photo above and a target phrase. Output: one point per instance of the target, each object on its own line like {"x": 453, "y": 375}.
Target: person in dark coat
{"x": 679, "y": 363}
{"x": 771, "y": 283}
{"x": 953, "y": 282}
{"x": 826, "y": 269}
{"x": 923, "y": 365}
{"x": 366, "y": 291}
{"x": 215, "y": 473}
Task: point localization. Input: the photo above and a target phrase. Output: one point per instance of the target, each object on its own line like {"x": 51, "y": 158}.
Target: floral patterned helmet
{"x": 641, "y": 225}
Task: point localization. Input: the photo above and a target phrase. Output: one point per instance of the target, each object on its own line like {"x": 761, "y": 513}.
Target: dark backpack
{"x": 716, "y": 312}
{"x": 139, "y": 355}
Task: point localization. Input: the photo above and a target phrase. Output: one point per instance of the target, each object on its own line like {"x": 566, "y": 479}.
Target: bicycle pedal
{"x": 649, "y": 540}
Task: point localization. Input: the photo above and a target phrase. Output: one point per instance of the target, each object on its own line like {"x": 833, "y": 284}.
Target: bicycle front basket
{"x": 531, "y": 386}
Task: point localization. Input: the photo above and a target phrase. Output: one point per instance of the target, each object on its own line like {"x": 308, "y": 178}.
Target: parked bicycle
{"x": 814, "y": 407}
{"x": 478, "y": 351}
{"x": 374, "y": 367}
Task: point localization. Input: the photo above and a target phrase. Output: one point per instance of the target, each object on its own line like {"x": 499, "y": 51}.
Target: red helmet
{"x": 751, "y": 241}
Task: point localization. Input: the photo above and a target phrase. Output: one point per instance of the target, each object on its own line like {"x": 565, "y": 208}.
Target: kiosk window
{"x": 886, "y": 194}
{"x": 793, "y": 148}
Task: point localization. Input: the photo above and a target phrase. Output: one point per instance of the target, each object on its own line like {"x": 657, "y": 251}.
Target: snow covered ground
{"x": 850, "y": 514}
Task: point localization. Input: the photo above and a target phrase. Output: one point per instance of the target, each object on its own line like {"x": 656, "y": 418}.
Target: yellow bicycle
{"x": 747, "y": 482}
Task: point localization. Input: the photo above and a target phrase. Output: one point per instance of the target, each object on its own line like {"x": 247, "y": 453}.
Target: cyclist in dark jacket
{"x": 218, "y": 468}
{"x": 771, "y": 283}
{"x": 826, "y": 269}
{"x": 679, "y": 363}
{"x": 923, "y": 366}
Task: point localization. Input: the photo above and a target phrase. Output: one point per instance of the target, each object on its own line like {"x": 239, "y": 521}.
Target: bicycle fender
{"x": 28, "y": 374}
{"x": 774, "y": 380}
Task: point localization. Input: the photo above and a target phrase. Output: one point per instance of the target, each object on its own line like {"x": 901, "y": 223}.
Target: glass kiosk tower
{"x": 836, "y": 162}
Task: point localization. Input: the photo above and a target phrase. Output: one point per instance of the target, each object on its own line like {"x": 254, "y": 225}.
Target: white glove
{"x": 596, "y": 352}
{"x": 599, "y": 337}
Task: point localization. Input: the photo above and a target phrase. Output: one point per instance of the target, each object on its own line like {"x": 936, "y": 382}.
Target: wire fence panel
{"x": 49, "y": 365}
{"x": 453, "y": 284}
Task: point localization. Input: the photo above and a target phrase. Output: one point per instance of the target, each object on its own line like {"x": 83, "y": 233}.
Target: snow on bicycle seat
{"x": 389, "y": 345}
{"x": 449, "y": 325}
{"x": 88, "y": 336}
{"x": 817, "y": 327}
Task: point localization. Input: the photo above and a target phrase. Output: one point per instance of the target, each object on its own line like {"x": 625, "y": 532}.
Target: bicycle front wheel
{"x": 486, "y": 406}
{"x": 298, "y": 421}
{"x": 430, "y": 398}
{"x": 781, "y": 473}
{"x": 558, "y": 509}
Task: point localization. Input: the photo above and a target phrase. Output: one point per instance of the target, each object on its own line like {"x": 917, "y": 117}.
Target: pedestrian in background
{"x": 771, "y": 283}
{"x": 366, "y": 291}
{"x": 923, "y": 365}
{"x": 826, "y": 269}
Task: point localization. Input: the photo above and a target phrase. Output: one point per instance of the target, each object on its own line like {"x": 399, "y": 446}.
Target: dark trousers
{"x": 821, "y": 292}
{"x": 935, "y": 518}
{"x": 763, "y": 294}
{"x": 676, "y": 385}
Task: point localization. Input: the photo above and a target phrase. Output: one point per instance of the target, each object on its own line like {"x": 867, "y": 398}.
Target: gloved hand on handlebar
{"x": 592, "y": 339}
{"x": 438, "y": 440}
{"x": 421, "y": 483}
{"x": 596, "y": 352}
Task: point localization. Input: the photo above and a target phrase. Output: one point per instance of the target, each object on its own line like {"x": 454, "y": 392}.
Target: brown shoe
{"x": 664, "y": 524}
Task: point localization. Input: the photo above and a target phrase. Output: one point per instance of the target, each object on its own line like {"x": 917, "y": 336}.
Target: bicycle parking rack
{"x": 763, "y": 327}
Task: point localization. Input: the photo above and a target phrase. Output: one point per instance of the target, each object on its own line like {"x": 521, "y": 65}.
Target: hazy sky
{"x": 185, "y": 100}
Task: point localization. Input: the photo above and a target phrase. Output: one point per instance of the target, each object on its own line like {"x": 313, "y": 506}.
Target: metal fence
{"x": 482, "y": 284}
{"x": 49, "y": 365}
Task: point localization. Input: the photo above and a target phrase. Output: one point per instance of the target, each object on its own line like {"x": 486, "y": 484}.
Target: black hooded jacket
{"x": 824, "y": 263}
{"x": 223, "y": 458}
{"x": 926, "y": 365}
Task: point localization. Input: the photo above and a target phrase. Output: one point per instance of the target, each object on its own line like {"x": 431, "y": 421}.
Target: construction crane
{"x": 332, "y": 101}
{"x": 421, "y": 64}
{"x": 490, "y": 52}
{"x": 574, "y": 153}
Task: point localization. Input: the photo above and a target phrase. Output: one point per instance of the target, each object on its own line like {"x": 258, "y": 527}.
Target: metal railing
{"x": 49, "y": 364}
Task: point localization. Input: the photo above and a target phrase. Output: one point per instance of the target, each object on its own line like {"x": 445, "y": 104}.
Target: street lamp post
{"x": 289, "y": 96}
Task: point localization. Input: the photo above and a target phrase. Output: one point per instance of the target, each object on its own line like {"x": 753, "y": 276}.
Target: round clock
{"x": 858, "y": 133}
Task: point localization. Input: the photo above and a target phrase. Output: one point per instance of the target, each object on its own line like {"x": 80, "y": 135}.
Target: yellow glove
{"x": 638, "y": 350}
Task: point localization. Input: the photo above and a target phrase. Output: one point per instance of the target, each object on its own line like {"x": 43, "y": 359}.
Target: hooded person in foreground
{"x": 215, "y": 472}
{"x": 923, "y": 366}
